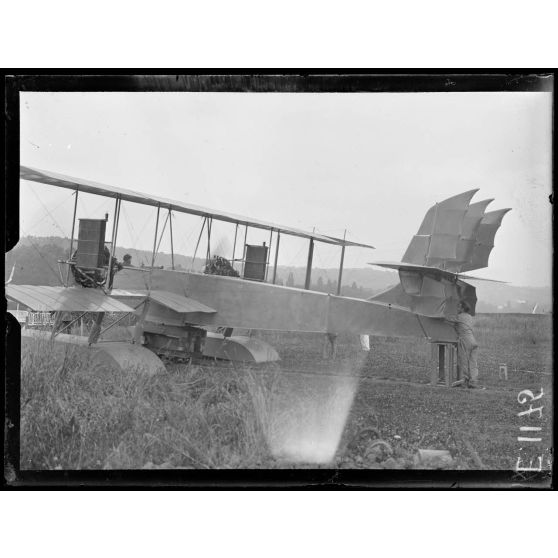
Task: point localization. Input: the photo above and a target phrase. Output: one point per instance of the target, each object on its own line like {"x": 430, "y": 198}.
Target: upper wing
{"x": 63, "y": 181}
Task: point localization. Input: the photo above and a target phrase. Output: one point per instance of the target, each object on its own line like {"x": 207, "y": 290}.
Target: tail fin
{"x": 484, "y": 240}
{"x": 466, "y": 244}
{"x": 455, "y": 235}
{"x": 436, "y": 240}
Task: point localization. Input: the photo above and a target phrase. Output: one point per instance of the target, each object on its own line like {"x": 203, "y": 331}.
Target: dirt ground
{"x": 480, "y": 428}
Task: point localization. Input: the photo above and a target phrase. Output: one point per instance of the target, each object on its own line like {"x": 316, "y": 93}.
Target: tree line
{"x": 36, "y": 263}
{"x": 328, "y": 286}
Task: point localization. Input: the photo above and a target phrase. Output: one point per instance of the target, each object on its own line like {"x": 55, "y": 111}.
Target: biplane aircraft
{"x": 187, "y": 314}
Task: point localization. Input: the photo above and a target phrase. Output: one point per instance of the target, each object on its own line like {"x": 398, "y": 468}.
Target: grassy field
{"x": 359, "y": 410}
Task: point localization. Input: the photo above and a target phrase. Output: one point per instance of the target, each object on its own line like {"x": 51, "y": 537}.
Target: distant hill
{"x": 36, "y": 264}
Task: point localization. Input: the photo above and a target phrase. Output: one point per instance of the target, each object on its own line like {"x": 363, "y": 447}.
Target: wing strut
{"x": 208, "y": 253}
{"x": 244, "y": 248}
{"x": 309, "y": 264}
{"x": 268, "y": 254}
{"x": 276, "y": 257}
{"x": 72, "y": 238}
{"x": 172, "y": 247}
{"x": 341, "y": 266}
{"x": 121, "y": 318}
{"x": 154, "y": 244}
{"x": 56, "y": 331}
{"x": 234, "y": 245}
{"x": 113, "y": 241}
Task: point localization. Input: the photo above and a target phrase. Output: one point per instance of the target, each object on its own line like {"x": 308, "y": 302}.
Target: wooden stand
{"x": 444, "y": 369}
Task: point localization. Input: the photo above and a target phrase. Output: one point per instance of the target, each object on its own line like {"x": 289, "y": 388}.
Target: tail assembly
{"x": 454, "y": 236}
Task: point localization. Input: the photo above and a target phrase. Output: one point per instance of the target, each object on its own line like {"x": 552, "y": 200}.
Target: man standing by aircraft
{"x": 467, "y": 346}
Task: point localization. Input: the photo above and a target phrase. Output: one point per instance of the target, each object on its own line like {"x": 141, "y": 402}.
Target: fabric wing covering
{"x": 455, "y": 235}
{"x": 466, "y": 244}
{"x": 484, "y": 239}
{"x": 62, "y": 299}
{"x": 439, "y": 232}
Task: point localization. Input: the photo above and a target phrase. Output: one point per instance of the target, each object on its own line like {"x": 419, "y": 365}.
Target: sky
{"x": 368, "y": 163}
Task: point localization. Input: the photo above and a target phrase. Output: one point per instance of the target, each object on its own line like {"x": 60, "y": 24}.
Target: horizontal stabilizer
{"x": 429, "y": 270}
{"x": 62, "y": 299}
{"x": 473, "y": 278}
{"x": 425, "y": 269}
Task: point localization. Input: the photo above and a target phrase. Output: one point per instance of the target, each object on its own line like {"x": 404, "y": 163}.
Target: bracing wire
{"x": 45, "y": 216}
{"x": 131, "y": 229}
{"x": 132, "y": 234}
{"x": 198, "y": 243}
{"x": 293, "y": 259}
{"x": 184, "y": 243}
{"x": 57, "y": 275}
{"x": 325, "y": 266}
{"x": 180, "y": 241}
{"x": 55, "y": 222}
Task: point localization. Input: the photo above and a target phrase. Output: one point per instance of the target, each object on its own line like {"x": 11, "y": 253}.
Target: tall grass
{"x": 76, "y": 414}
{"x": 513, "y": 329}
{"x": 523, "y": 342}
